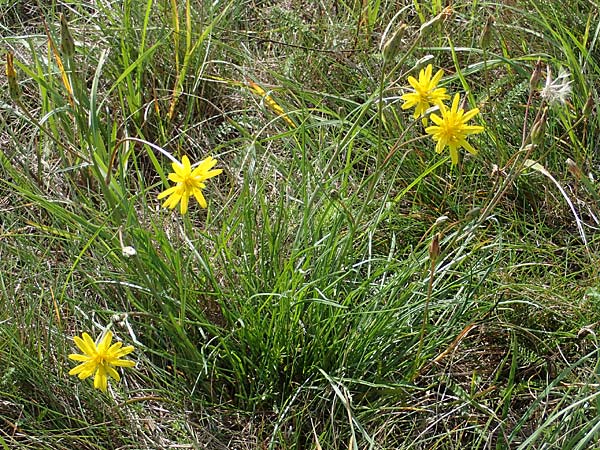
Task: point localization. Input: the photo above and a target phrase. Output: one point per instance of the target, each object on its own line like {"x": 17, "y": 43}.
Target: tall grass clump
{"x": 291, "y": 225}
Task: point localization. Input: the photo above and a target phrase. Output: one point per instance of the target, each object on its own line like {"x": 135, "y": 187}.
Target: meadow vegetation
{"x": 347, "y": 286}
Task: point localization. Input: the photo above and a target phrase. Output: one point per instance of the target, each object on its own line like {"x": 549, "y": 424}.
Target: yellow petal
{"x": 175, "y": 177}
{"x": 414, "y": 83}
{"x": 468, "y": 146}
{"x": 208, "y": 163}
{"x": 100, "y": 380}
{"x": 439, "y": 146}
{"x": 78, "y": 357}
{"x": 124, "y": 351}
{"x": 114, "y": 348}
{"x": 84, "y": 370}
{"x": 169, "y": 191}
{"x": 113, "y": 373}
{"x": 177, "y": 166}
{"x": 77, "y": 369}
{"x": 184, "y": 203}
{"x": 455, "y": 102}
{"x": 472, "y": 129}
{"x": 105, "y": 342}
{"x": 454, "y": 155}
{"x": 86, "y": 345}
{"x": 185, "y": 161}
{"x": 172, "y": 201}
{"x": 124, "y": 363}
{"x": 212, "y": 173}
{"x": 433, "y": 129}
{"x": 436, "y": 119}
{"x": 200, "y": 198}
{"x": 425, "y": 75}
{"x": 437, "y": 77}
{"x": 469, "y": 115}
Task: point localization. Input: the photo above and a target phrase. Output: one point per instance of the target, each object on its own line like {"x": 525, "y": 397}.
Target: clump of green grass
{"x": 309, "y": 305}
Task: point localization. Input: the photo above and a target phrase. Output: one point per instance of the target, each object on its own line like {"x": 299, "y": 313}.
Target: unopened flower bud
{"x": 392, "y": 45}
{"x": 589, "y": 105}
{"x": 11, "y": 75}
{"x": 434, "y": 247}
{"x": 539, "y": 127}
{"x": 67, "y": 43}
{"x": 486, "y": 34}
{"x": 536, "y": 75}
{"x": 446, "y": 13}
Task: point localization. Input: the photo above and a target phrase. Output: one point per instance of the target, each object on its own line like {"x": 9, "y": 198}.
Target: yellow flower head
{"x": 98, "y": 360}
{"x": 189, "y": 182}
{"x": 451, "y": 129}
{"x": 426, "y": 93}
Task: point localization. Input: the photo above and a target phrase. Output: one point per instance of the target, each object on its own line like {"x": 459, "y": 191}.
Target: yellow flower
{"x": 425, "y": 94}
{"x": 451, "y": 129}
{"x": 189, "y": 182}
{"x": 98, "y": 360}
